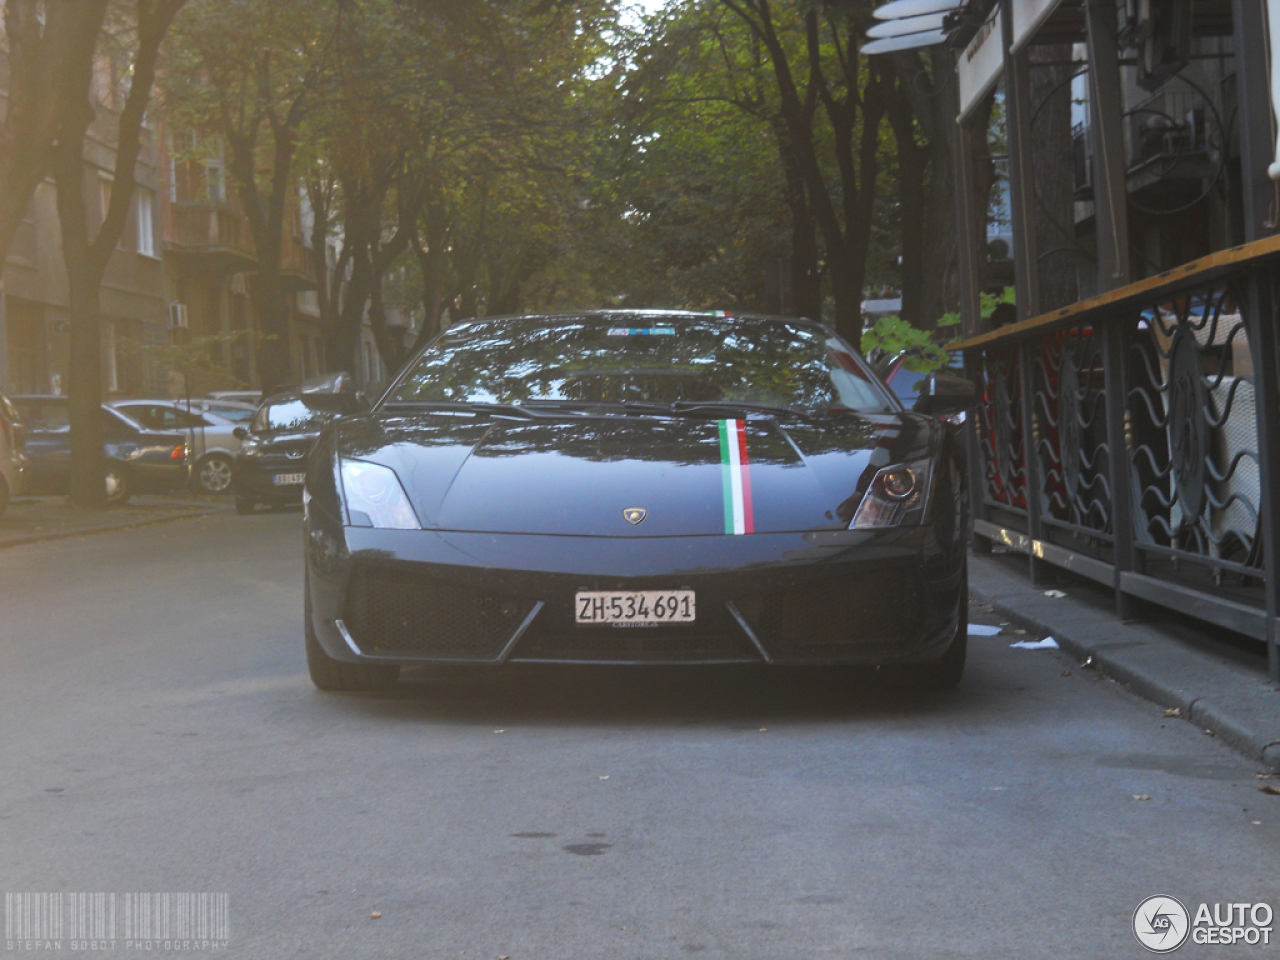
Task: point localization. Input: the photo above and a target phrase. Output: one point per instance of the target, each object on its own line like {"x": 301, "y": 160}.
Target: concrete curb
{"x": 109, "y": 528}
{"x": 1219, "y": 697}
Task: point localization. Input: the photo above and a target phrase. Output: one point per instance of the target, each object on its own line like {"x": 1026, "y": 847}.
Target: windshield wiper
{"x": 606, "y": 406}
{"x": 734, "y": 406}
{"x": 462, "y": 406}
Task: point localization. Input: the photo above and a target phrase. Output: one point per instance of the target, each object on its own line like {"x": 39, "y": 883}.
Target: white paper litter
{"x": 982, "y": 630}
{"x": 1048, "y": 643}
{"x": 1054, "y": 593}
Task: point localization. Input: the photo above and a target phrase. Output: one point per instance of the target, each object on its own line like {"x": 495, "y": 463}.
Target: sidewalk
{"x": 1222, "y": 689}
{"x": 33, "y": 519}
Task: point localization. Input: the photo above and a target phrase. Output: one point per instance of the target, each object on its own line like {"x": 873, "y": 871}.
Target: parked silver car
{"x": 211, "y": 436}
{"x": 13, "y": 460}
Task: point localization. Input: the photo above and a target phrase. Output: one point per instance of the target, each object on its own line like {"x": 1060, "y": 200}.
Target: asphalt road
{"x": 158, "y": 732}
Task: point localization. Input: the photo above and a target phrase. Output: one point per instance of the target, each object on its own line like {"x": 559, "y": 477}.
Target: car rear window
{"x": 47, "y": 417}
{"x": 657, "y": 358}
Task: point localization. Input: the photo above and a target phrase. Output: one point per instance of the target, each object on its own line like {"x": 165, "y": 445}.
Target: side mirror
{"x": 240, "y": 433}
{"x": 332, "y": 393}
{"x": 942, "y": 393}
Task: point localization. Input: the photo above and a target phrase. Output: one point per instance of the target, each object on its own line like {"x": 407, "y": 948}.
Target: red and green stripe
{"x": 735, "y": 474}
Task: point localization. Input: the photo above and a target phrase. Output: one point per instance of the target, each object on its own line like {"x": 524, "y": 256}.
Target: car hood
{"x": 578, "y": 476}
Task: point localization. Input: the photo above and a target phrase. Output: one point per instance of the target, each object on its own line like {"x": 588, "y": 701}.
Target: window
{"x": 104, "y": 193}
{"x": 146, "y": 231}
{"x": 113, "y": 369}
{"x": 214, "y": 185}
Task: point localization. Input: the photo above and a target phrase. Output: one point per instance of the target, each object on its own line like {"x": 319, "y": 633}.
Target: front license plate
{"x": 644, "y": 609}
{"x": 286, "y": 479}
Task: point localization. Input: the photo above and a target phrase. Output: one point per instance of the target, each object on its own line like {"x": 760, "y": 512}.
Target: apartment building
{"x": 180, "y": 275}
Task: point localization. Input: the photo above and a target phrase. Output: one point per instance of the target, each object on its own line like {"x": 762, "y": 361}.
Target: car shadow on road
{"x": 747, "y": 694}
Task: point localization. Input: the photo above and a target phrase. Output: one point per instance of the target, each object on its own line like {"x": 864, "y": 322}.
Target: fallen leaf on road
{"x": 377, "y": 914}
{"x": 1142, "y": 796}
{"x": 1054, "y": 593}
{"x": 1019, "y": 630}
{"x": 764, "y": 729}
{"x": 1066, "y": 673}
{"x": 1172, "y": 712}
{"x": 1268, "y": 788}
{"x": 499, "y": 731}
{"x": 605, "y": 777}
{"x": 988, "y": 608}
{"x": 1209, "y": 733}
{"x": 1256, "y": 823}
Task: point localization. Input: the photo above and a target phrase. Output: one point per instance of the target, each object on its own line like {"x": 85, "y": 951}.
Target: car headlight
{"x": 250, "y": 448}
{"x": 375, "y": 498}
{"x": 895, "y": 491}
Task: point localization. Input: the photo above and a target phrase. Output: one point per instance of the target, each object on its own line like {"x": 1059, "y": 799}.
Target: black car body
{"x": 271, "y": 462}
{"x": 593, "y": 472}
{"x": 138, "y": 460}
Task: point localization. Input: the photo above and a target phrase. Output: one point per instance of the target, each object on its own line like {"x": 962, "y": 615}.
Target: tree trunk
{"x": 1054, "y": 175}
{"x": 271, "y": 305}
{"x": 47, "y": 43}
{"x": 84, "y": 389}
{"x": 806, "y": 278}
{"x": 911, "y": 201}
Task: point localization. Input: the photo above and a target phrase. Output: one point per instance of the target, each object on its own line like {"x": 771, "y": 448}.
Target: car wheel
{"x": 244, "y": 506}
{"x": 333, "y": 675}
{"x": 945, "y": 672}
{"x": 117, "y": 481}
{"x": 214, "y": 473}
{"x": 4, "y": 495}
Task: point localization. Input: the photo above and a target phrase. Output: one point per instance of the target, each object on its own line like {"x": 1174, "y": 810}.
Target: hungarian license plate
{"x": 646, "y": 608}
{"x": 287, "y": 479}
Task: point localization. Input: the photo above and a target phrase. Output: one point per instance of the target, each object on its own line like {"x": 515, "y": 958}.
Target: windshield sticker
{"x": 642, "y": 331}
{"x": 735, "y": 472}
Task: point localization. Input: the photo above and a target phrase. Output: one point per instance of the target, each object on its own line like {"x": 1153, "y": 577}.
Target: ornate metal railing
{"x": 1126, "y": 438}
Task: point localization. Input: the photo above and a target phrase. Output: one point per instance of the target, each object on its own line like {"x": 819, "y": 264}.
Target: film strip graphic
{"x": 117, "y": 916}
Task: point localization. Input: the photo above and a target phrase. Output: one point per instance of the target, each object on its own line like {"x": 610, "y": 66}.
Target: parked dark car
{"x": 272, "y": 460}
{"x": 637, "y": 487}
{"x": 138, "y": 460}
{"x": 13, "y": 460}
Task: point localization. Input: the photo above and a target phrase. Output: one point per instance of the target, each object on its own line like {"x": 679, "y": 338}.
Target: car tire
{"x": 213, "y": 473}
{"x": 244, "y": 506}
{"x": 118, "y": 487}
{"x": 945, "y": 672}
{"x": 332, "y": 675}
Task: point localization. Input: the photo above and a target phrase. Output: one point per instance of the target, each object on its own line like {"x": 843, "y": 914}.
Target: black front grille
{"x": 390, "y": 612}
{"x": 630, "y": 644}
{"x": 831, "y": 616}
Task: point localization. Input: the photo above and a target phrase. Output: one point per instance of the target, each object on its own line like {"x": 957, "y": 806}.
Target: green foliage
{"x": 892, "y": 335}
{"x": 989, "y": 301}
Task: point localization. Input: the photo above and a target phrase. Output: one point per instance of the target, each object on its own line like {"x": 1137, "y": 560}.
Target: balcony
{"x": 296, "y": 268}
{"x": 217, "y": 235}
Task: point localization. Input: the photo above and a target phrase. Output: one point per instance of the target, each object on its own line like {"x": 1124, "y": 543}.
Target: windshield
{"x": 652, "y": 359}
{"x": 289, "y": 415}
{"x": 234, "y": 414}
